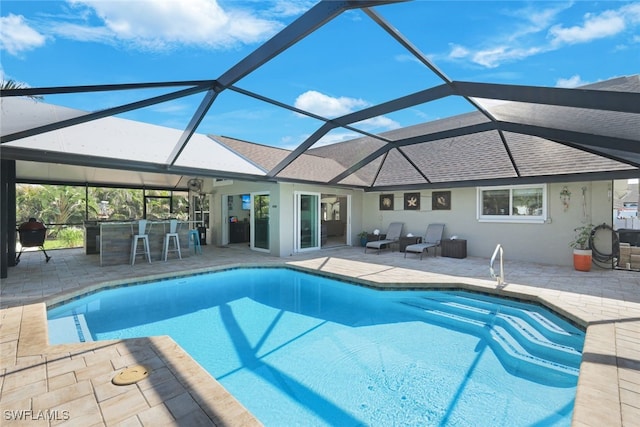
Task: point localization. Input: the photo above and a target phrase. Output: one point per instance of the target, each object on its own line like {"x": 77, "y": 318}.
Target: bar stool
{"x": 173, "y": 233}
{"x": 144, "y": 236}
{"x": 194, "y": 235}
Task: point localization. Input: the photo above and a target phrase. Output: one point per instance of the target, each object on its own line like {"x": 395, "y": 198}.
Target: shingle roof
{"x": 484, "y": 155}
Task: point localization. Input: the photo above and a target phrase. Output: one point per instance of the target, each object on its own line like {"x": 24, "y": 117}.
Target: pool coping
{"x": 598, "y": 380}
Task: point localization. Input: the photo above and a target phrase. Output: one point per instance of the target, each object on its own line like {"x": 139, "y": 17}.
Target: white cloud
{"x": 530, "y": 24}
{"x": 330, "y": 107}
{"x": 335, "y": 137}
{"x": 532, "y": 19}
{"x": 328, "y": 139}
{"x": 458, "y": 51}
{"x": 380, "y": 122}
{"x": 571, "y": 82}
{"x": 608, "y": 23}
{"x": 511, "y": 46}
{"x": 82, "y": 32}
{"x": 16, "y": 36}
{"x": 286, "y": 8}
{"x": 327, "y": 106}
{"x": 149, "y": 24}
{"x": 161, "y": 24}
{"x": 406, "y": 58}
{"x": 631, "y": 13}
{"x": 492, "y": 58}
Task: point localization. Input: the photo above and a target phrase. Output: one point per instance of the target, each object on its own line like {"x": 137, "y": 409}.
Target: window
{"x": 521, "y": 203}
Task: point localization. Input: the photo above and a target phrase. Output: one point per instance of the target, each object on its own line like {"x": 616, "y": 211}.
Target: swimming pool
{"x": 300, "y": 349}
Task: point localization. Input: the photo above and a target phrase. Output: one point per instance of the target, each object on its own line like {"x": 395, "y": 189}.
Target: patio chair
{"x": 32, "y": 235}
{"x": 431, "y": 240}
{"x": 393, "y": 236}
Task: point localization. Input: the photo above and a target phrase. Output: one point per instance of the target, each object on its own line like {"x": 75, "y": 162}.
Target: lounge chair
{"x": 431, "y": 240}
{"x": 393, "y": 236}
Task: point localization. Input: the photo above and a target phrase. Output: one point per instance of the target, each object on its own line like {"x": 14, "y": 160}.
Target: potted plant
{"x": 582, "y": 255}
{"x": 363, "y": 238}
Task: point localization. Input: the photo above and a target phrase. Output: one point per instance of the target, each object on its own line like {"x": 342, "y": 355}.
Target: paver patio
{"x": 71, "y": 384}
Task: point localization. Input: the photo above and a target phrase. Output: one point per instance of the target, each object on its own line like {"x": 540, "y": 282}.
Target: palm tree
{"x": 12, "y": 84}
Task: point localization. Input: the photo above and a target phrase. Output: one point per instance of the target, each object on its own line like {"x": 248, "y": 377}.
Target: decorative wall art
{"x": 565, "y": 198}
{"x": 441, "y": 200}
{"x": 386, "y": 202}
{"x": 411, "y": 201}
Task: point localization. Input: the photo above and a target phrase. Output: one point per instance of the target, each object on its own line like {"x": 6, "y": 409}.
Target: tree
{"x": 12, "y": 84}
{"x": 65, "y": 204}
{"x": 51, "y": 204}
{"x": 29, "y": 202}
{"x": 121, "y": 203}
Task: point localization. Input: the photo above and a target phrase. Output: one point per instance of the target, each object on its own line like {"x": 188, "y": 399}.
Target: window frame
{"x": 510, "y": 218}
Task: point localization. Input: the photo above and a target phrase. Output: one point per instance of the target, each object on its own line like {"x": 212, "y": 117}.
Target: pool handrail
{"x": 500, "y": 277}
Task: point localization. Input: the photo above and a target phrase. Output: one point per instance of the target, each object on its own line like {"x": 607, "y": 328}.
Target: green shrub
{"x": 71, "y": 236}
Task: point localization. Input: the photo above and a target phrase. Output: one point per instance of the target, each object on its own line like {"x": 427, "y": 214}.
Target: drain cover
{"x": 131, "y": 375}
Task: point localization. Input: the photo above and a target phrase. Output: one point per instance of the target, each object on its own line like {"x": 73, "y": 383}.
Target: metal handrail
{"x": 500, "y": 277}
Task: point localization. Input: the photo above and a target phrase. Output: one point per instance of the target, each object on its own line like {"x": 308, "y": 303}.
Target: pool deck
{"x": 71, "y": 384}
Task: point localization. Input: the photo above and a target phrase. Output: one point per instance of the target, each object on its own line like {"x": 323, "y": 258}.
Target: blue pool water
{"x": 299, "y": 349}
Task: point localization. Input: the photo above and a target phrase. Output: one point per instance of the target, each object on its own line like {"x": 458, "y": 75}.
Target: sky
{"x": 348, "y": 64}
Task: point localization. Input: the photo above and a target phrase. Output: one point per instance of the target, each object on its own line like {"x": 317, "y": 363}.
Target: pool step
{"x": 524, "y": 329}
{"x": 530, "y": 323}
{"x": 533, "y": 328}
{"x": 69, "y": 329}
{"x": 553, "y": 329}
{"x": 518, "y": 344}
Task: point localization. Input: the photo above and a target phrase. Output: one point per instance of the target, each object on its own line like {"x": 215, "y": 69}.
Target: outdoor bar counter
{"x": 116, "y": 239}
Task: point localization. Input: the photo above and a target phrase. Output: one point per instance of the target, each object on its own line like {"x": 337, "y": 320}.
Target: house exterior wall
{"x": 287, "y": 200}
{"x": 282, "y": 198}
{"x": 546, "y": 243}
{"x": 218, "y": 220}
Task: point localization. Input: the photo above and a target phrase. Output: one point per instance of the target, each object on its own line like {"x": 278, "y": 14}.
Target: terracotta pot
{"x": 582, "y": 259}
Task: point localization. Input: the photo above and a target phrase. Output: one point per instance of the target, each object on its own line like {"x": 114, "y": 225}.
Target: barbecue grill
{"x": 31, "y": 237}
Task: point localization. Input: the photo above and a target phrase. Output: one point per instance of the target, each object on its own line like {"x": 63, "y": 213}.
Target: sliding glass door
{"x": 307, "y": 221}
{"x": 260, "y": 221}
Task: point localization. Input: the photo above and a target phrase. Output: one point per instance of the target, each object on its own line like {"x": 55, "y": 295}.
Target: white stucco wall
{"x": 218, "y": 194}
{"x": 287, "y": 193}
{"x": 282, "y": 197}
{"x": 544, "y": 243}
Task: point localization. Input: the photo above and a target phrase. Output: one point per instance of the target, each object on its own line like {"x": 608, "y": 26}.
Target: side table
{"x": 456, "y": 248}
{"x": 406, "y": 241}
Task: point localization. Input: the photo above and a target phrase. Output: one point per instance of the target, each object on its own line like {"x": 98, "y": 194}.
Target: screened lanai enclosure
{"x": 500, "y": 134}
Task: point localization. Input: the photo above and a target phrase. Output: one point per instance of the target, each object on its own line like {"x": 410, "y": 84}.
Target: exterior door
{"x": 307, "y": 221}
{"x": 260, "y": 221}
